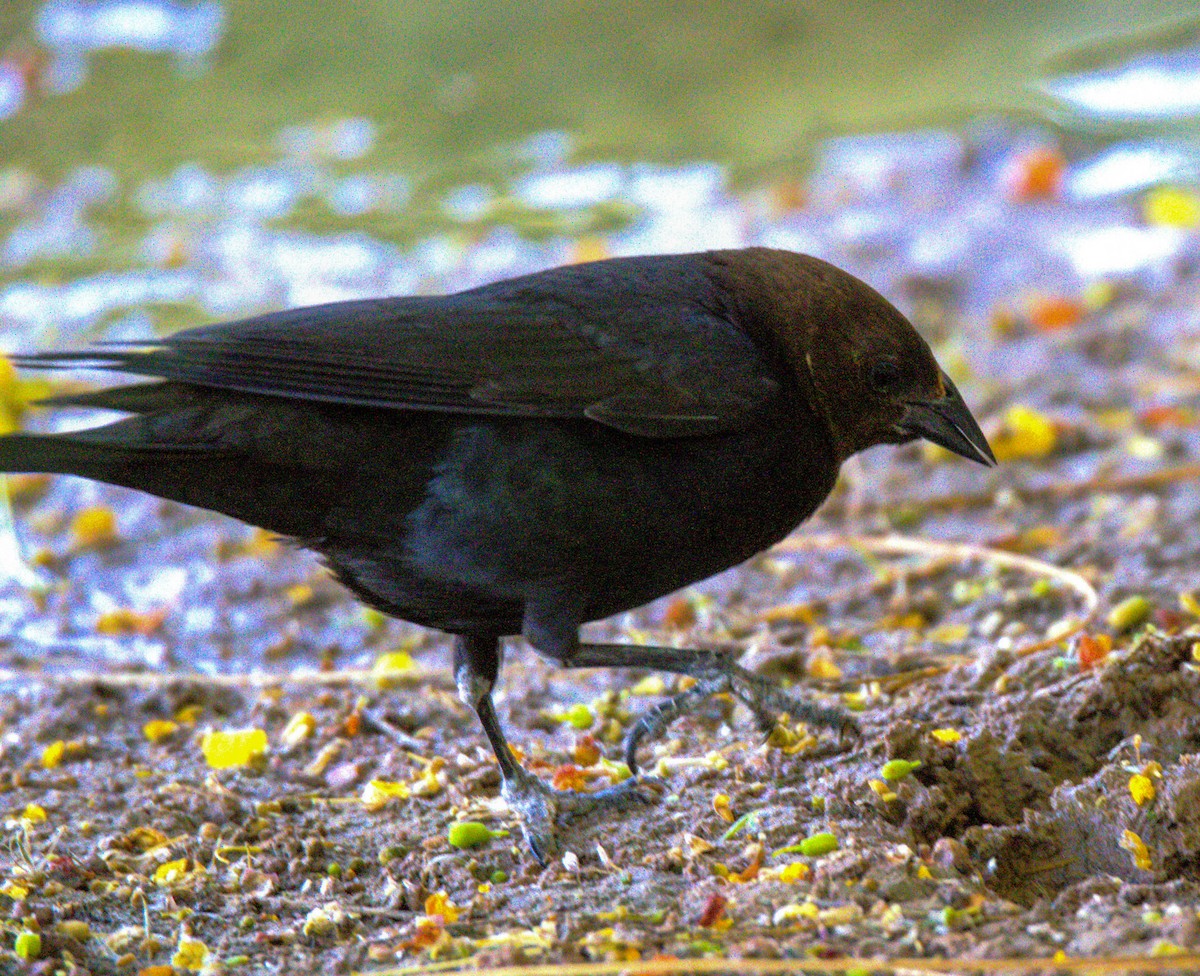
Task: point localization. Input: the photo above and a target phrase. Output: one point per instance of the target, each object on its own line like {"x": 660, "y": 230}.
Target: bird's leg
{"x": 714, "y": 673}
{"x": 537, "y": 806}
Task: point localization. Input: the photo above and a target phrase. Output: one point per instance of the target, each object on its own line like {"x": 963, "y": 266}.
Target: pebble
{"x": 950, "y": 854}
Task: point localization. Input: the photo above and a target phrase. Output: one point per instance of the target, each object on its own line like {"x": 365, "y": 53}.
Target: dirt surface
{"x": 996, "y": 804}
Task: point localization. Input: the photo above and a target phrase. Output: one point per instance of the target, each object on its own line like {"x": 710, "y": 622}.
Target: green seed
{"x": 742, "y": 822}
{"x": 28, "y": 945}
{"x": 498, "y": 877}
{"x": 579, "y": 716}
{"x": 818, "y": 844}
{"x": 393, "y": 852}
{"x": 897, "y": 769}
{"x": 1129, "y": 613}
{"x": 333, "y": 869}
{"x": 471, "y": 833}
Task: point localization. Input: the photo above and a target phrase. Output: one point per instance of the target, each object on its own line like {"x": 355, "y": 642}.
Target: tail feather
{"x": 34, "y": 454}
{"x": 201, "y": 475}
{"x": 134, "y": 398}
{"x": 89, "y": 457}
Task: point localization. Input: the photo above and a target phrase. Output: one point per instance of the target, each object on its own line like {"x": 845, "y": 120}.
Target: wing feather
{"x": 625, "y": 351}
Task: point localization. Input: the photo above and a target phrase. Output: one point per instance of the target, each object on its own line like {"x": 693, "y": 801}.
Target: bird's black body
{"x": 530, "y": 455}
{"x": 480, "y": 521}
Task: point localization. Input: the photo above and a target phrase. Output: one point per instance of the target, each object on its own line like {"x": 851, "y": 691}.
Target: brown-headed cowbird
{"x": 533, "y": 454}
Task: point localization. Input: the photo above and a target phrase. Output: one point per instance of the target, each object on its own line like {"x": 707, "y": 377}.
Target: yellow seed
{"x": 1141, "y": 788}
{"x": 1137, "y": 847}
{"x": 823, "y": 669}
{"x": 650, "y": 685}
{"x": 318, "y": 923}
{"x": 171, "y": 872}
{"x": 378, "y": 793}
{"x": 580, "y": 716}
{"x": 300, "y": 594}
{"x": 1129, "y": 613}
{"x": 949, "y": 633}
{"x": 159, "y": 729}
{"x": 794, "y": 872}
{"x": 223, "y": 750}
{"x": 96, "y": 526}
{"x": 946, "y": 737}
{"x": 74, "y": 929}
{"x": 188, "y": 714}
{"x": 882, "y": 790}
{"x": 1025, "y": 433}
{"x": 191, "y": 955}
{"x": 1168, "y": 206}
{"x": 720, "y": 804}
{"x": 440, "y": 904}
{"x": 53, "y": 754}
{"x": 394, "y": 662}
{"x": 300, "y": 726}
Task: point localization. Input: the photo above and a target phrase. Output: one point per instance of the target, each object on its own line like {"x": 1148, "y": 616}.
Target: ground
{"x": 1026, "y": 780}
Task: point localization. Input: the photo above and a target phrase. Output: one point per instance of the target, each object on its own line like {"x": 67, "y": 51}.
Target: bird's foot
{"x": 541, "y": 809}
{"x": 763, "y": 697}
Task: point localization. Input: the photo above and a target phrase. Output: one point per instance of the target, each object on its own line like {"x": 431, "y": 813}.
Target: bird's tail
{"x": 98, "y": 452}
{"x": 51, "y": 454}
{"x": 92, "y": 454}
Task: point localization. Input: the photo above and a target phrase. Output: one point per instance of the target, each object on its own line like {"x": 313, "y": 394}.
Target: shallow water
{"x": 147, "y": 85}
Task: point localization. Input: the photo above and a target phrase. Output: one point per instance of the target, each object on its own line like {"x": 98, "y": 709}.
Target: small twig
{"x": 1108, "y": 965}
{"x": 399, "y": 736}
{"x": 962, "y": 552}
{"x": 375, "y": 911}
{"x": 1102, "y": 484}
{"x": 255, "y": 679}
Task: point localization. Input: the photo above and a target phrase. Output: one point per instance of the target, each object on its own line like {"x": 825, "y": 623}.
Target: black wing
{"x": 634, "y": 344}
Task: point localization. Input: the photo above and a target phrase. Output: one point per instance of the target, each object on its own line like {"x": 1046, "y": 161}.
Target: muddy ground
{"x": 1045, "y": 803}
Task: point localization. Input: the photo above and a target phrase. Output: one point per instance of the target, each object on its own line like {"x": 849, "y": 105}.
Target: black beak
{"x": 948, "y": 423}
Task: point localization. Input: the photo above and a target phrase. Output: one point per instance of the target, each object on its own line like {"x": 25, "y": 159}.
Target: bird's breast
{"x": 513, "y": 507}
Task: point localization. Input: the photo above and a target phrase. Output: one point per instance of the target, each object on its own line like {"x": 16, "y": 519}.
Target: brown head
{"x": 868, "y": 371}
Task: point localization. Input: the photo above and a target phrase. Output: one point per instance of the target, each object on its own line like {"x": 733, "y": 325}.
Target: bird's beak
{"x": 948, "y": 423}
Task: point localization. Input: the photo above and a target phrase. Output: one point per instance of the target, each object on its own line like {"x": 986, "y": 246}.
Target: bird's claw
{"x": 764, "y": 699}
{"x": 541, "y": 809}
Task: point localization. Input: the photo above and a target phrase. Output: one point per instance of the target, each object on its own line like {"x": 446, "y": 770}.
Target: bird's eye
{"x": 885, "y": 376}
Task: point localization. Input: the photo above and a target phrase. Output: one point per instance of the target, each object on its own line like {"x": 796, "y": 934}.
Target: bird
{"x": 529, "y": 455}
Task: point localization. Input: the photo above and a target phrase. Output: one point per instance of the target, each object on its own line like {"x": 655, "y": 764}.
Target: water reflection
{"x": 1154, "y": 86}
{"x": 75, "y": 29}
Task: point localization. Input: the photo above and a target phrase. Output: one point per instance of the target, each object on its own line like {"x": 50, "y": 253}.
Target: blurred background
{"x": 202, "y": 159}
{"x": 453, "y": 85}
{"x": 1020, "y": 179}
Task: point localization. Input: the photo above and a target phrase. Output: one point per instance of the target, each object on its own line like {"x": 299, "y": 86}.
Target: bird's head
{"x": 871, "y": 375}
